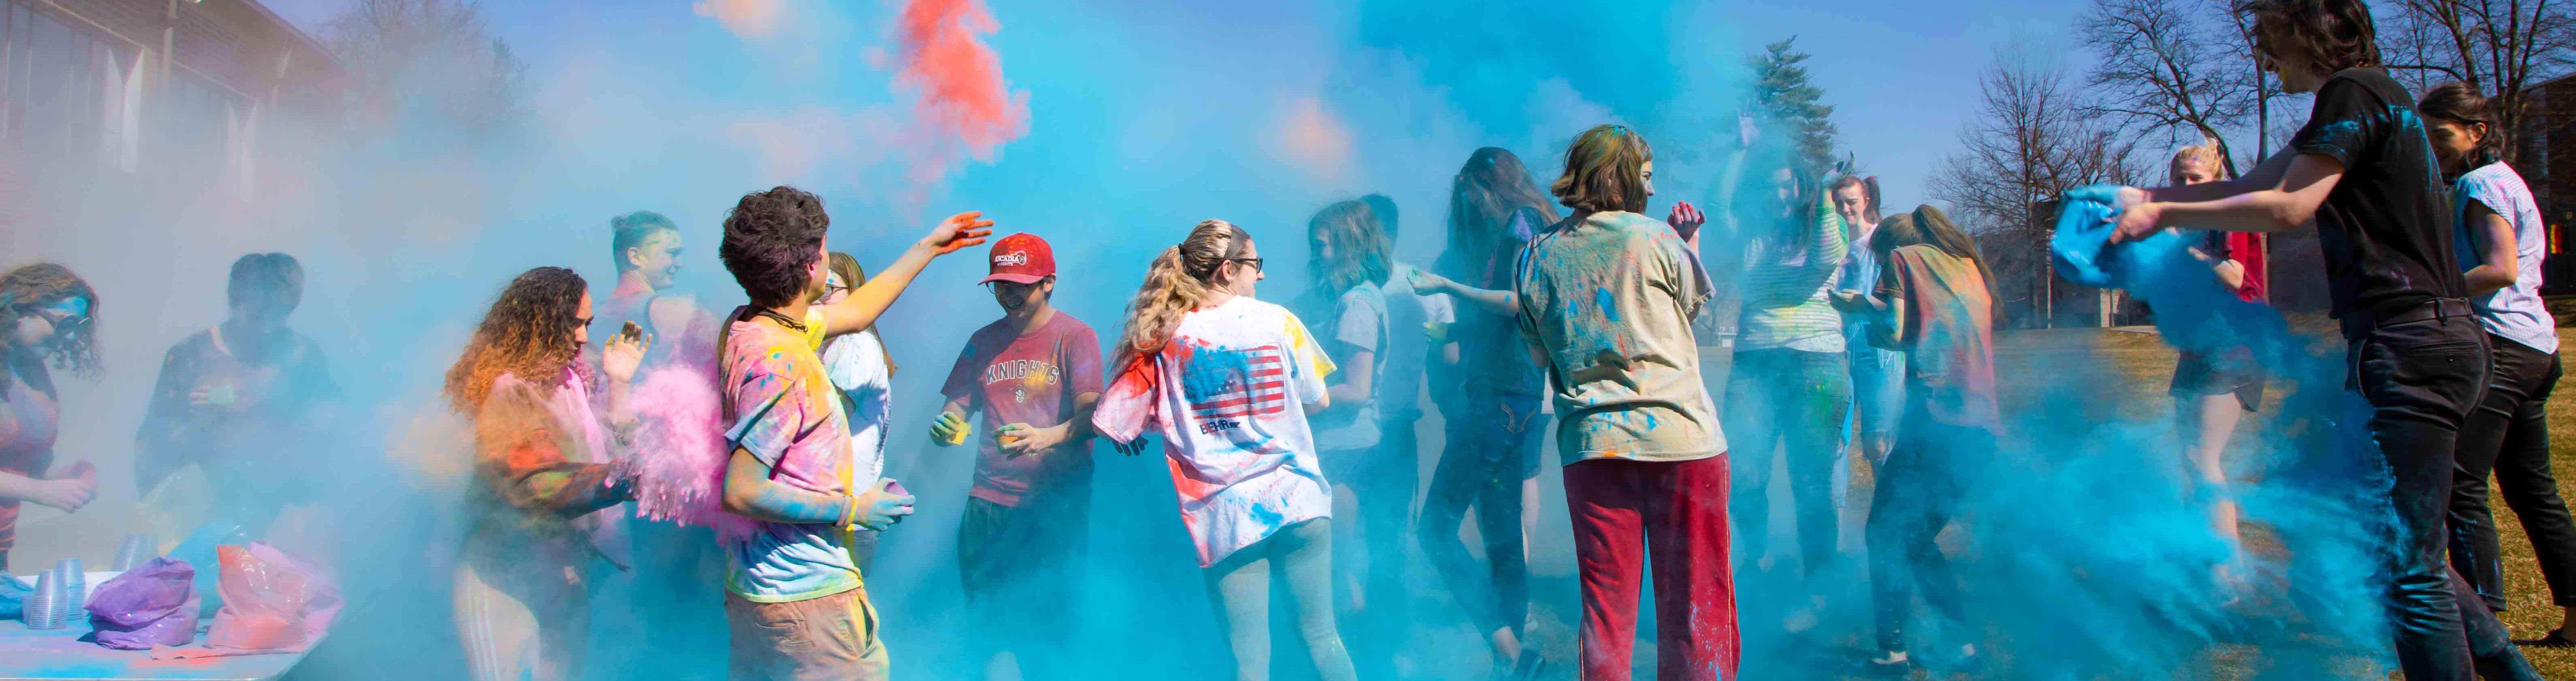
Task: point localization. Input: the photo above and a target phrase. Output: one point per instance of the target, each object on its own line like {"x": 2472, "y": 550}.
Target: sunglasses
{"x": 1254, "y": 262}
{"x": 67, "y": 325}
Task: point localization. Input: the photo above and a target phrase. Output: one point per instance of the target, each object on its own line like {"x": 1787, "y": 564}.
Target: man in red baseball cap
{"x": 1033, "y": 376}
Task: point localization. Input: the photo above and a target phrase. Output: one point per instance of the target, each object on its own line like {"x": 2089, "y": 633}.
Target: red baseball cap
{"x": 1021, "y": 258}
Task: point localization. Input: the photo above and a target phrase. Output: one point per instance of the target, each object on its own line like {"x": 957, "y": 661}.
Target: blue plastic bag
{"x": 13, "y": 597}
{"x": 199, "y": 549}
{"x": 2194, "y": 312}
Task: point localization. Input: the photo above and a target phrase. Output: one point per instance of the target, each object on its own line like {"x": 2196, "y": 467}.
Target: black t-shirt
{"x": 2385, "y": 227}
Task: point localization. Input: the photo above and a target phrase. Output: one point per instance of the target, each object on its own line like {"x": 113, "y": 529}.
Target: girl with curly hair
{"x": 47, "y": 321}
{"x": 541, "y": 468}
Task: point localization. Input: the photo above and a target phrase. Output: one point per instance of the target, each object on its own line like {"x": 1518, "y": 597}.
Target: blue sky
{"x": 1902, "y": 75}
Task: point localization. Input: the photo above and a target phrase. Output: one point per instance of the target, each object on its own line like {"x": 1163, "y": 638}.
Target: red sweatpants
{"x": 1625, "y": 511}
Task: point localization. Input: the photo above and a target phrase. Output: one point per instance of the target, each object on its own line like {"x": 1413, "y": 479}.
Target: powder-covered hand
{"x": 1427, "y": 284}
{"x": 1021, "y": 439}
{"x": 958, "y": 231}
{"x": 1685, "y": 219}
{"x": 622, "y": 355}
{"x": 2136, "y": 222}
{"x": 882, "y": 505}
{"x": 950, "y": 430}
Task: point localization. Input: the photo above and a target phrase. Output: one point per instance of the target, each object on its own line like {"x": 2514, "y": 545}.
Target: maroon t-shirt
{"x": 1030, "y": 379}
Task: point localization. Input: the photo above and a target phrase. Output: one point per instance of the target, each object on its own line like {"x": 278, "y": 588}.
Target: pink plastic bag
{"x": 154, "y": 604}
{"x": 273, "y": 603}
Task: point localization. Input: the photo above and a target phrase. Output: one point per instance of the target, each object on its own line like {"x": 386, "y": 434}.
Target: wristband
{"x": 849, "y": 510}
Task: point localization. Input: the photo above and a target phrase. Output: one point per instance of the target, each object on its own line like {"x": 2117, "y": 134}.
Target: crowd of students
{"x": 1857, "y": 331}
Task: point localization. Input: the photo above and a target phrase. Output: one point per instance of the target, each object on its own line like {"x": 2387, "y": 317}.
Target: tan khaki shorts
{"x": 833, "y": 638}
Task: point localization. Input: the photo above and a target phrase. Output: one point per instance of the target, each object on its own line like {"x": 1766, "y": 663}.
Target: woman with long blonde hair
{"x": 1229, "y": 382}
{"x": 2212, "y": 391}
{"x": 863, "y": 371}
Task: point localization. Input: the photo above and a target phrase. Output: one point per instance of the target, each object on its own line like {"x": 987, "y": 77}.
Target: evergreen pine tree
{"x": 1782, "y": 94}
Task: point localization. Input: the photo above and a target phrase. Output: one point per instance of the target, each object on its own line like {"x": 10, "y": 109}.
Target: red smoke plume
{"x": 963, "y": 102}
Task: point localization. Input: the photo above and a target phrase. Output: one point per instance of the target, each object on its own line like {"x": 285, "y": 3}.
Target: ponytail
{"x": 1175, "y": 284}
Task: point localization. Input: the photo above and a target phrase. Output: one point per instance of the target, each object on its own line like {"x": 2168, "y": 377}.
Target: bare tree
{"x": 434, "y": 57}
{"x": 2168, "y": 66}
{"x": 2032, "y": 140}
{"x": 2501, "y": 46}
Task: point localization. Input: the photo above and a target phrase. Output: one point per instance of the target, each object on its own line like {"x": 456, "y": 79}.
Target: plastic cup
{"x": 138, "y": 549}
{"x": 44, "y": 606}
{"x": 75, "y": 585}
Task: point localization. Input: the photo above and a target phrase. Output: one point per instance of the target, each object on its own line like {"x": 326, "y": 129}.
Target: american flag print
{"x": 1226, "y": 383}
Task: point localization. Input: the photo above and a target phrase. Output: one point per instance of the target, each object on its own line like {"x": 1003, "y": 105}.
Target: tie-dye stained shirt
{"x": 1227, "y": 397}
{"x": 785, "y": 411}
{"x": 1949, "y": 337}
{"x": 1610, "y": 298}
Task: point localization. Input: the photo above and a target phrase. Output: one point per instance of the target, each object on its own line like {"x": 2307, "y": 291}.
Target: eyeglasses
{"x": 1254, "y": 262}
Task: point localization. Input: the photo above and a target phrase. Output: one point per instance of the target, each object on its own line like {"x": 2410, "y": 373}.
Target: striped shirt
{"x": 1785, "y": 287}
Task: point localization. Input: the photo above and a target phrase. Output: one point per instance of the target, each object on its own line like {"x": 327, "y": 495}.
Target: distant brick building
{"x": 2545, "y": 142}
{"x": 150, "y": 93}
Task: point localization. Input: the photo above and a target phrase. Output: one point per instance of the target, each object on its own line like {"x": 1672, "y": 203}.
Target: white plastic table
{"x": 59, "y": 655}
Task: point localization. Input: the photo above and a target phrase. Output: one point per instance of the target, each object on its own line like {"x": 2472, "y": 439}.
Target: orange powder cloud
{"x": 746, "y": 18}
{"x": 1313, "y": 140}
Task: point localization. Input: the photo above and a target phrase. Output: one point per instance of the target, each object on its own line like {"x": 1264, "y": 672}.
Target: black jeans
{"x": 2421, "y": 378}
{"x": 2508, "y": 435}
{"x": 1481, "y": 467}
{"x": 1919, "y": 489}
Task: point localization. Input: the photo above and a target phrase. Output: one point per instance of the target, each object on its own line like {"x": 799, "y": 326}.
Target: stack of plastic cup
{"x": 75, "y": 586}
{"x": 44, "y": 606}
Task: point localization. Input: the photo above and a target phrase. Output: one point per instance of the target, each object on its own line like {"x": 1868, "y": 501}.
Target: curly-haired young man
{"x": 793, "y": 594}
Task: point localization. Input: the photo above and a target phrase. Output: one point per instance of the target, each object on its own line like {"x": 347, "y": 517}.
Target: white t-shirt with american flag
{"x": 1227, "y": 395}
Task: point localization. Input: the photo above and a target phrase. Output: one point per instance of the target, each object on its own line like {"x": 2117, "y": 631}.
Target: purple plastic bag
{"x": 155, "y": 604}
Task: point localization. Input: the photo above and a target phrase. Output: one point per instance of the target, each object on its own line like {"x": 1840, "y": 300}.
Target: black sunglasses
{"x": 1254, "y": 262}
{"x": 71, "y": 326}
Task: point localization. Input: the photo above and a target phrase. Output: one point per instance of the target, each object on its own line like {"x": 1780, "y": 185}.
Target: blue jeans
{"x": 1878, "y": 402}
{"x": 1794, "y": 401}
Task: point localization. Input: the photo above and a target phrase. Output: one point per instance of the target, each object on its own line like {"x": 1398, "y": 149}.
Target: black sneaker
{"x": 2557, "y": 638}
{"x": 1529, "y": 668}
